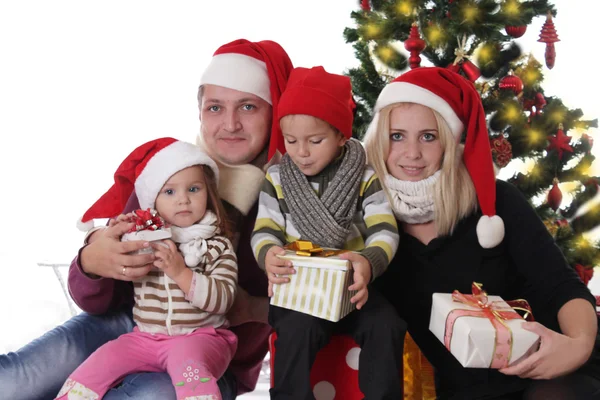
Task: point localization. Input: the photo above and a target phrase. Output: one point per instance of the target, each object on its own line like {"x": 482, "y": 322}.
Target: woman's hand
{"x": 277, "y": 267}
{"x": 362, "y": 277}
{"x": 558, "y": 355}
{"x": 106, "y": 256}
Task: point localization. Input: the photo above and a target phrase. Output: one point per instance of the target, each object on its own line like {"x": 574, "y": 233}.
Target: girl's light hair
{"x": 454, "y": 193}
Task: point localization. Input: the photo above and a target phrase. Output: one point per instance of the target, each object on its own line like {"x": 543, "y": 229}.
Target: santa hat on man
{"x": 146, "y": 170}
{"x": 261, "y": 68}
{"x": 316, "y": 92}
{"x": 457, "y": 101}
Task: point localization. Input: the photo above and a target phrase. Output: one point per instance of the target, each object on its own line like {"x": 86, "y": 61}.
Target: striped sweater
{"x": 373, "y": 232}
{"x": 162, "y": 307}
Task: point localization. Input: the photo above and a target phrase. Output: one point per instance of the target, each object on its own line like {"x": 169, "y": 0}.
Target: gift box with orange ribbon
{"x": 320, "y": 285}
{"x": 482, "y": 331}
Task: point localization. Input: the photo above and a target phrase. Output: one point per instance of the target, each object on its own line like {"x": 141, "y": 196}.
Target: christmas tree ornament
{"x": 554, "y": 195}
{"x": 501, "y": 151}
{"x": 462, "y": 62}
{"x": 511, "y": 82}
{"x": 534, "y": 106}
{"x": 365, "y": 5}
{"x": 590, "y": 141}
{"x": 549, "y": 36}
{"x": 415, "y": 45}
{"x": 515, "y": 31}
{"x": 585, "y": 273}
{"x": 560, "y": 142}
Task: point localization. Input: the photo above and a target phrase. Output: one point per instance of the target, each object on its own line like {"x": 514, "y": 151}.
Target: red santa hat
{"x": 317, "y": 93}
{"x": 457, "y": 101}
{"x": 261, "y": 68}
{"x": 146, "y": 170}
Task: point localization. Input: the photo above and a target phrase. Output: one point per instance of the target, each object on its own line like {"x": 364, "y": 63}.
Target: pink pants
{"x": 194, "y": 361}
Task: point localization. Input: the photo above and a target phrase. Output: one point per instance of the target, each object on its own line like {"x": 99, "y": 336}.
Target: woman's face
{"x": 415, "y": 148}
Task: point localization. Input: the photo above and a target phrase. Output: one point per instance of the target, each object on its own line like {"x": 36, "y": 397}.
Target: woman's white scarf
{"x": 412, "y": 202}
{"x": 192, "y": 240}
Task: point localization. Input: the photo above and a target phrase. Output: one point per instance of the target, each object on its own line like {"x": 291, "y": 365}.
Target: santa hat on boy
{"x": 146, "y": 170}
{"x": 315, "y": 92}
{"x": 261, "y": 68}
{"x": 457, "y": 101}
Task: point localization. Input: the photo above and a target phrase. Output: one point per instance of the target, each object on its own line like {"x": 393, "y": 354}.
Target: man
{"x": 239, "y": 91}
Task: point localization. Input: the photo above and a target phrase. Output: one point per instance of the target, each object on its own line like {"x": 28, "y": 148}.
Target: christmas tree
{"x": 476, "y": 39}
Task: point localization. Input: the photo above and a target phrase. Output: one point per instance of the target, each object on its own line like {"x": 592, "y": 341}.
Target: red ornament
{"x": 539, "y": 101}
{"x": 511, "y": 82}
{"x": 549, "y": 36}
{"x": 462, "y": 63}
{"x": 365, "y": 5}
{"x": 515, "y": 31}
{"x": 585, "y": 273}
{"x": 560, "y": 142}
{"x": 554, "y": 195}
{"x": 589, "y": 139}
{"x": 501, "y": 151}
{"x": 415, "y": 45}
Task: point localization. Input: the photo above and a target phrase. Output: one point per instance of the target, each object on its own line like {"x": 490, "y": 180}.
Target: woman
{"x": 458, "y": 226}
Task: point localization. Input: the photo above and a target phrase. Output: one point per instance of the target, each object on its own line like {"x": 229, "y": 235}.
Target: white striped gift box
{"x": 319, "y": 287}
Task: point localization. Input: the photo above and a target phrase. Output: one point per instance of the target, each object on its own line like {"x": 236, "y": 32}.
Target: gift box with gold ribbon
{"x": 481, "y": 331}
{"x": 320, "y": 285}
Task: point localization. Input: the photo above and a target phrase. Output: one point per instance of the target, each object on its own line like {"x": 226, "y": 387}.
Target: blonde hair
{"x": 454, "y": 192}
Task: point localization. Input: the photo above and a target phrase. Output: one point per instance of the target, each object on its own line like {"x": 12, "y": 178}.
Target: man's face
{"x": 235, "y": 125}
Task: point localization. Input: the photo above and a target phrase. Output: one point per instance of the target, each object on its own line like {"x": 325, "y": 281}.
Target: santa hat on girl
{"x": 316, "y": 92}
{"x": 146, "y": 170}
{"x": 457, "y": 101}
{"x": 261, "y": 68}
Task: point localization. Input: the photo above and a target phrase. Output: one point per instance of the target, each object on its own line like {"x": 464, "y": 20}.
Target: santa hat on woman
{"x": 316, "y": 92}
{"x": 457, "y": 101}
{"x": 146, "y": 170}
{"x": 261, "y": 68}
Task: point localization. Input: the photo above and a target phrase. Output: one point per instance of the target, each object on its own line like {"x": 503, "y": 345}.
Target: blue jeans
{"x": 38, "y": 370}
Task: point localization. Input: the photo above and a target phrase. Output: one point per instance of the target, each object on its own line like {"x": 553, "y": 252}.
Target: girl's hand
{"x": 558, "y": 355}
{"x": 168, "y": 258}
{"x": 362, "y": 277}
{"x": 277, "y": 267}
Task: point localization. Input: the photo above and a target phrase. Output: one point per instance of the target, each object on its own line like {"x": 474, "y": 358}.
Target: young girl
{"x": 180, "y": 305}
{"x": 323, "y": 192}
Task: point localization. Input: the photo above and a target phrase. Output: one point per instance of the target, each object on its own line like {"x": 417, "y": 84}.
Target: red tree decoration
{"x": 365, "y": 5}
{"x": 560, "y": 142}
{"x": 511, "y": 82}
{"x": 549, "y": 36}
{"x": 585, "y": 274}
{"x": 554, "y": 195}
{"x": 461, "y": 62}
{"x": 415, "y": 45}
{"x": 501, "y": 151}
{"x": 515, "y": 31}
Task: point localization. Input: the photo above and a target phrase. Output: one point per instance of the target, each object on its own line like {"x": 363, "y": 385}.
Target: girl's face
{"x": 183, "y": 198}
{"x": 415, "y": 148}
{"x": 311, "y": 142}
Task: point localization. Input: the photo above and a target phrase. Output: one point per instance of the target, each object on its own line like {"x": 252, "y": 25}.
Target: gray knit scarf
{"x": 324, "y": 221}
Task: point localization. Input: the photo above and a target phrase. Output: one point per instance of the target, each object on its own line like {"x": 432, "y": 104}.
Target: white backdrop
{"x": 84, "y": 82}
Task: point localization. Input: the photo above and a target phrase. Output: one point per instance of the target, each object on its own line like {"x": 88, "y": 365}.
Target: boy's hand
{"x": 362, "y": 277}
{"x": 168, "y": 258}
{"x": 276, "y": 267}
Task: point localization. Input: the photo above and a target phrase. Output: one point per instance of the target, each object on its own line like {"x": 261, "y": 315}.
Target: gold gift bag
{"x": 418, "y": 373}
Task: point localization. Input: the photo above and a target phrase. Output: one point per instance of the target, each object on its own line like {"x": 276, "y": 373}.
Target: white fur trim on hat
{"x": 404, "y": 92}
{"x": 490, "y": 231}
{"x": 164, "y": 164}
{"x": 239, "y": 72}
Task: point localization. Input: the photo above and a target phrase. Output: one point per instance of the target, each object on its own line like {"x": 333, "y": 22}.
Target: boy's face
{"x": 311, "y": 142}
{"x": 182, "y": 200}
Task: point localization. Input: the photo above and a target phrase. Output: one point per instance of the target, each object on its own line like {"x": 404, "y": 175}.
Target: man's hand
{"x": 277, "y": 268}
{"x": 106, "y": 256}
{"x": 362, "y": 277}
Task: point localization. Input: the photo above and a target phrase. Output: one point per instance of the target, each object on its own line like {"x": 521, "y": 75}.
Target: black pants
{"x": 376, "y": 328}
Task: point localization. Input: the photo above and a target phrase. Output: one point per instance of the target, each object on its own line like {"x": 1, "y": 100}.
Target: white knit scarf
{"x": 412, "y": 202}
{"x": 192, "y": 240}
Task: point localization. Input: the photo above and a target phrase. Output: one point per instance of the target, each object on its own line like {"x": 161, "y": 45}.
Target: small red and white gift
{"x": 481, "y": 331}
{"x": 149, "y": 226}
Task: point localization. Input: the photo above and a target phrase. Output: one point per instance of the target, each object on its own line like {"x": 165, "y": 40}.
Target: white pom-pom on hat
{"x": 490, "y": 231}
